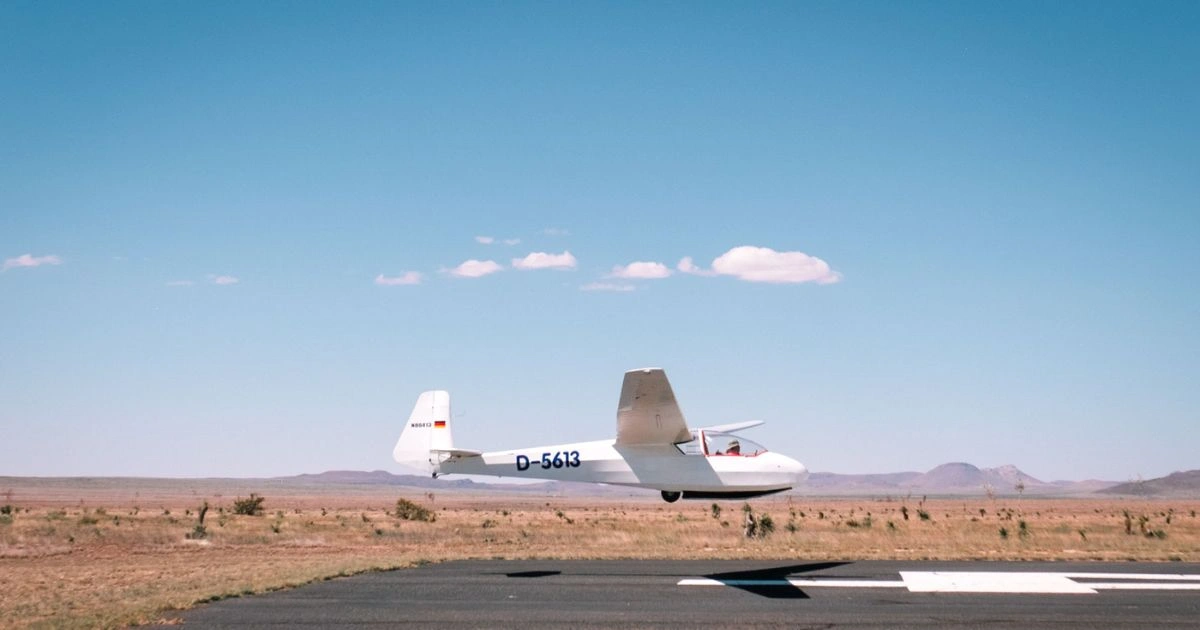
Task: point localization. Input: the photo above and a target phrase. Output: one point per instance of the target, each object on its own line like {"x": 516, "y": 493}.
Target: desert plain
{"x": 117, "y": 552}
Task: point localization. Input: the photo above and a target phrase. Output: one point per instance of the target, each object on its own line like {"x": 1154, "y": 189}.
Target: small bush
{"x": 766, "y": 525}
{"x": 251, "y": 506}
{"x": 1004, "y": 533}
{"x": 7, "y": 510}
{"x": 923, "y": 514}
{"x": 489, "y": 523}
{"x": 408, "y": 511}
{"x": 757, "y": 526}
{"x": 716, "y": 511}
{"x": 199, "y": 532}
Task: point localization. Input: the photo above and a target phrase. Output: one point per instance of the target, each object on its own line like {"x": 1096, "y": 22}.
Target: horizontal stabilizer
{"x": 734, "y": 426}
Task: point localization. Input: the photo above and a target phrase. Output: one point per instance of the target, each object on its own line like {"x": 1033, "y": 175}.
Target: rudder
{"x": 427, "y": 431}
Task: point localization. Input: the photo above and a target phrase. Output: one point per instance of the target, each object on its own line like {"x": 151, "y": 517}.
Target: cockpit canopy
{"x": 711, "y": 444}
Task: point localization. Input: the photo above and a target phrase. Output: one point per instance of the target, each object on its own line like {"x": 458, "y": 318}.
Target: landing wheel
{"x": 671, "y": 497}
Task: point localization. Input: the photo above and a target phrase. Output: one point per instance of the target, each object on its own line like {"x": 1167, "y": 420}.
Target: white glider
{"x": 654, "y": 448}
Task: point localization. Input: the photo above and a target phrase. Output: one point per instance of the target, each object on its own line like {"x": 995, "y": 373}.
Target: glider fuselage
{"x": 661, "y": 467}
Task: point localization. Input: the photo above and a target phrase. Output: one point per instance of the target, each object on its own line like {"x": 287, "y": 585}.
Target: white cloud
{"x": 180, "y": 283}
{"x": 687, "y": 266}
{"x": 607, "y": 286}
{"x": 223, "y": 280}
{"x": 763, "y": 264}
{"x": 27, "y": 260}
{"x": 640, "y": 270}
{"x": 553, "y": 231}
{"x": 512, "y": 241}
{"x": 542, "y": 260}
{"x": 475, "y": 269}
{"x": 484, "y": 240}
{"x": 408, "y": 277}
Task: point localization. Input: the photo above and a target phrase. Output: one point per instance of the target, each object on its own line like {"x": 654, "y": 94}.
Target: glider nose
{"x": 795, "y": 469}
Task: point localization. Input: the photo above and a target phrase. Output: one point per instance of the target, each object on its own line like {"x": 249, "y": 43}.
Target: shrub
{"x": 489, "y": 523}
{"x": 7, "y": 510}
{"x": 757, "y": 526}
{"x": 408, "y": 511}
{"x": 1004, "y": 533}
{"x": 251, "y": 506}
{"x": 766, "y": 525}
{"x": 716, "y": 511}
{"x": 923, "y": 514}
{"x": 200, "y": 532}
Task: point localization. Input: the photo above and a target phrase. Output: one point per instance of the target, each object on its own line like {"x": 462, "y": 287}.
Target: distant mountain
{"x": 1176, "y": 485}
{"x": 385, "y": 478}
{"x": 956, "y": 478}
{"x": 953, "y": 479}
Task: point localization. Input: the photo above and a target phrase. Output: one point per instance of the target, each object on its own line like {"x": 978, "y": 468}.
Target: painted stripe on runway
{"x": 985, "y": 582}
{"x": 1035, "y": 582}
{"x": 1145, "y": 586}
{"x": 830, "y": 583}
{"x": 1162, "y": 577}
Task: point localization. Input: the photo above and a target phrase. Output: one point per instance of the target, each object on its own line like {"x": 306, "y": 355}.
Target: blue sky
{"x": 234, "y": 233}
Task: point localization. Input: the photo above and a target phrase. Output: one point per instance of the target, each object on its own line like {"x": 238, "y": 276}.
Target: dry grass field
{"x": 79, "y": 555}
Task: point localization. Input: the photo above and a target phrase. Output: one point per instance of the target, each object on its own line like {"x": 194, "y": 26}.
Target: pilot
{"x": 735, "y": 448}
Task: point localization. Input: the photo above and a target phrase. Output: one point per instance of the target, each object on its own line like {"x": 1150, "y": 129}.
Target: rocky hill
{"x": 952, "y": 479}
{"x": 1174, "y": 485}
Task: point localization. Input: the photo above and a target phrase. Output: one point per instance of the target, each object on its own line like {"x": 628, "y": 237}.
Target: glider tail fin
{"x": 427, "y": 433}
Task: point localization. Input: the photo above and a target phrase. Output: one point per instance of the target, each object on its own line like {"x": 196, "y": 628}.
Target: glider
{"x": 654, "y": 448}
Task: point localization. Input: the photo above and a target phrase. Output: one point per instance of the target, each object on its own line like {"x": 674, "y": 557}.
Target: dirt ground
{"x": 89, "y": 553}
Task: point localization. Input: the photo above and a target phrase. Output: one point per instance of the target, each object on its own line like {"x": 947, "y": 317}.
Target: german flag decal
{"x": 439, "y": 424}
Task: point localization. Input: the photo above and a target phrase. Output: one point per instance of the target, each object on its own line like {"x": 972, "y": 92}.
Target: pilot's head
{"x": 735, "y": 444}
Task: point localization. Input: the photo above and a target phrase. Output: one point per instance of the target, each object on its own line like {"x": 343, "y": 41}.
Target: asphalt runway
{"x": 639, "y": 593}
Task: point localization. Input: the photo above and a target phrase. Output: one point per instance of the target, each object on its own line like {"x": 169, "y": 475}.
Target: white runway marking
{"x": 983, "y": 582}
{"x": 830, "y": 583}
{"x": 987, "y": 582}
